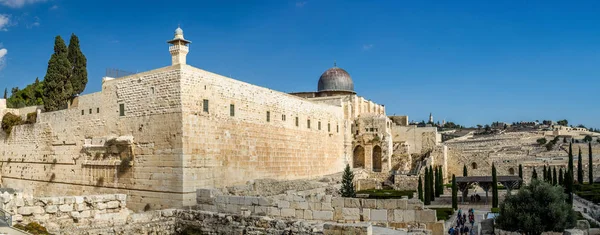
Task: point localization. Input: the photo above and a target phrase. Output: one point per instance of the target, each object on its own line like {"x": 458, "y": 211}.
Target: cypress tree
{"x": 464, "y": 170}
{"x": 347, "y": 189}
{"x": 521, "y": 171}
{"x": 590, "y": 165}
{"x": 534, "y": 175}
{"x": 441, "y": 185}
{"x": 420, "y": 189}
{"x": 435, "y": 182}
{"x": 79, "y": 62}
{"x": 560, "y": 177}
{"x": 579, "y": 168}
{"x": 5, "y": 93}
{"x": 494, "y": 187}
{"x": 57, "y": 86}
{"x": 544, "y": 174}
{"x": 570, "y": 166}
{"x": 569, "y": 188}
{"x": 554, "y": 179}
{"x": 427, "y": 194}
{"x": 454, "y": 193}
{"x": 431, "y": 182}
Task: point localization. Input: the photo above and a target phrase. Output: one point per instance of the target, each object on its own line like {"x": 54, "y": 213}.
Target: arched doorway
{"x": 511, "y": 171}
{"x": 359, "y": 157}
{"x": 377, "y": 159}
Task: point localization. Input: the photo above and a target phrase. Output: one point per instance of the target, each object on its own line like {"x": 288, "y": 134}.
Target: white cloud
{"x": 18, "y": 3}
{"x": 54, "y": 7}
{"x": 36, "y": 23}
{"x": 4, "y": 20}
{"x": 367, "y": 47}
{"x": 298, "y": 4}
{"x": 3, "y": 53}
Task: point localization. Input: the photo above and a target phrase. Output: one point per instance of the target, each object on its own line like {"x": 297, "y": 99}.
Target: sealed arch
{"x": 359, "y": 157}
{"x": 474, "y": 165}
{"x": 511, "y": 171}
{"x": 377, "y": 159}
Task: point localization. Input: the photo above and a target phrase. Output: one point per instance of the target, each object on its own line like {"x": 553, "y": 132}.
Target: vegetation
{"x": 440, "y": 181}
{"x": 347, "y": 189}
{"x": 563, "y": 122}
{"x": 78, "y": 62}
{"x": 541, "y": 141}
{"x": 147, "y": 207}
{"x": 427, "y": 195}
{"x": 387, "y": 193}
{"x": 443, "y": 213}
{"x": 587, "y": 138}
{"x": 32, "y": 95}
{"x": 9, "y": 121}
{"x": 536, "y": 208}
{"x": 431, "y": 183}
{"x": 465, "y": 170}
{"x": 534, "y": 175}
{"x": 560, "y": 177}
{"x": 590, "y": 166}
{"x": 100, "y": 181}
{"x": 590, "y": 192}
{"x": 495, "y": 210}
{"x": 593, "y": 224}
{"x": 190, "y": 230}
{"x": 554, "y": 177}
{"x": 520, "y": 171}
{"x": 579, "y": 168}
{"x": 33, "y": 228}
{"x": 494, "y": 187}
{"x": 125, "y": 165}
{"x": 436, "y": 186}
{"x": 454, "y": 193}
{"x": 31, "y": 118}
{"x": 568, "y": 180}
{"x": 420, "y": 189}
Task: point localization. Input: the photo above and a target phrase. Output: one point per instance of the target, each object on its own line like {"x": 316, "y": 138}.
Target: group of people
{"x": 475, "y": 198}
{"x": 461, "y": 227}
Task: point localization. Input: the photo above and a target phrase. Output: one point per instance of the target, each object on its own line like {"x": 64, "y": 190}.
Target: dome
{"x": 178, "y": 31}
{"x": 336, "y": 79}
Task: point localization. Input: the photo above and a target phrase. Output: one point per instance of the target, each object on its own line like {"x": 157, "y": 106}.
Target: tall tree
{"x": 436, "y": 182}
{"x": 347, "y": 189}
{"x": 521, "y": 171}
{"x": 570, "y": 166}
{"x": 5, "y": 93}
{"x": 590, "y": 165}
{"x": 465, "y": 170}
{"x": 534, "y": 175}
{"x": 494, "y": 187}
{"x": 441, "y": 184}
{"x": 420, "y": 189}
{"x": 544, "y": 174}
{"x": 427, "y": 195}
{"x": 554, "y": 177}
{"x": 454, "y": 193}
{"x": 57, "y": 86}
{"x": 432, "y": 196}
{"x": 579, "y": 168}
{"x": 560, "y": 177}
{"x": 569, "y": 186}
{"x": 79, "y": 70}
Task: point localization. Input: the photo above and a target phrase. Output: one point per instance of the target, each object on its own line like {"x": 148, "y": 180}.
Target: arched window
{"x": 474, "y": 165}
{"x": 511, "y": 171}
{"x": 359, "y": 157}
{"x": 377, "y": 159}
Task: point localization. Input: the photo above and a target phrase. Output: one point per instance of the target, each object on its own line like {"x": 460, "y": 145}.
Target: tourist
{"x": 465, "y": 230}
{"x": 451, "y": 231}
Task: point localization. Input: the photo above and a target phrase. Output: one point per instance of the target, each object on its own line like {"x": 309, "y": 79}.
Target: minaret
{"x": 178, "y": 48}
{"x": 430, "y": 118}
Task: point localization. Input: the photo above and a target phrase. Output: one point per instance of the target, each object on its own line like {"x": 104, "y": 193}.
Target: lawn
{"x": 443, "y": 213}
{"x": 386, "y": 193}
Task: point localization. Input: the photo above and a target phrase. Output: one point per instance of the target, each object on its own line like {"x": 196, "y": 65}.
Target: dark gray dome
{"x": 336, "y": 79}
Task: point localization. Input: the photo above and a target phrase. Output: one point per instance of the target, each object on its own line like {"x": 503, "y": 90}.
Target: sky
{"x": 469, "y": 62}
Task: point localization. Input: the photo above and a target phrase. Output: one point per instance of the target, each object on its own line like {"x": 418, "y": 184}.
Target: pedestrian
{"x": 451, "y": 231}
{"x": 466, "y": 230}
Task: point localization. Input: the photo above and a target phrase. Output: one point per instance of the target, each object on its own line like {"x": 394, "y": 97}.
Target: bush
{"x": 347, "y": 189}
{"x": 33, "y": 228}
{"x": 387, "y": 194}
{"x": 9, "y": 121}
{"x": 536, "y": 208}
{"x": 495, "y": 210}
{"x": 541, "y": 141}
{"x": 147, "y": 207}
{"x": 31, "y": 118}
{"x": 443, "y": 213}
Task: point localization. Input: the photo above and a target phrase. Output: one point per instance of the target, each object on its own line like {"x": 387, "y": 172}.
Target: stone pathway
{"x": 479, "y": 216}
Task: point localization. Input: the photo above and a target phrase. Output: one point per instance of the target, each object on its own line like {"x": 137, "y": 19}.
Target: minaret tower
{"x": 178, "y": 48}
{"x": 430, "y": 118}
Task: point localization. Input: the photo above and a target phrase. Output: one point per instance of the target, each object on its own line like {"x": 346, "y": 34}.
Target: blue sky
{"x": 471, "y": 62}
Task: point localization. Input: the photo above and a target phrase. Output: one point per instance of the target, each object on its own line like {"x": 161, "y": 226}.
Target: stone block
{"x": 326, "y": 206}
{"x": 74, "y": 214}
{"x": 573, "y": 232}
{"x": 414, "y": 204}
{"x": 299, "y": 214}
{"x": 100, "y": 206}
{"x": 29, "y": 210}
{"x": 274, "y": 211}
{"x": 369, "y": 203}
{"x": 337, "y": 214}
{"x": 261, "y": 210}
{"x": 366, "y": 214}
{"x": 389, "y": 203}
{"x": 424, "y": 216}
{"x": 264, "y": 201}
{"x": 409, "y": 216}
{"x": 327, "y": 198}
{"x": 379, "y": 215}
{"x": 250, "y": 201}
{"x": 583, "y": 225}
{"x": 351, "y": 214}
{"x": 81, "y": 207}
{"x": 69, "y": 200}
{"x": 437, "y": 228}
{"x": 323, "y": 215}
{"x": 308, "y": 214}
{"x": 121, "y": 197}
{"x": 351, "y": 202}
{"x": 222, "y": 200}
{"x": 337, "y": 202}
{"x": 66, "y": 207}
{"x": 19, "y": 202}
{"x": 51, "y": 209}
{"x": 299, "y": 205}
{"x": 398, "y": 215}
{"x": 112, "y": 204}
{"x": 79, "y": 199}
{"x": 401, "y": 204}
{"x": 315, "y": 206}
{"x": 283, "y": 204}
{"x": 85, "y": 214}
{"x": 288, "y": 212}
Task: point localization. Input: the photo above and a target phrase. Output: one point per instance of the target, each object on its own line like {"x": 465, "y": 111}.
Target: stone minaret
{"x": 179, "y": 48}
{"x": 430, "y": 118}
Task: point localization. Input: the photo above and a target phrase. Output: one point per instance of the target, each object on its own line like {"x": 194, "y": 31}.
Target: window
{"x": 90, "y": 111}
{"x": 282, "y": 117}
{"x": 231, "y": 110}
{"x": 121, "y": 109}
{"x": 97, "y": 110}
{"x": 328, "y": 127}
{"x": 297, "y": 121}
{"x": 319, "y": 125}
{"x": 308, "y": 123}
{"x": 205, "y": 106}
{"x": 82, "y": 112}
{"x": 268, "y": 116}
{"x": 152, "y": 90}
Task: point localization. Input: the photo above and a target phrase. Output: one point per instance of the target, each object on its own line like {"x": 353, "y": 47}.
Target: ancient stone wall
{"x": 420, "y": 139}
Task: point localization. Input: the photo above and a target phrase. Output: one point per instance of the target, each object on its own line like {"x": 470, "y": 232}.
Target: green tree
{"x": 32, "y": 95}
{"x": 465, "y": 170}
{"x": 5, "y": 93}
{"x": 534, "y": 175}
{"x": 441, "y": 180}
{"x": 436, "y": 181}
{"x": 570, "y": 166}
{"x": 536, "y": 208}
{"x": 579, "y": 168}
{"x": 569, "y": 186}
{"x": 420, "y": 189}
{"x": 541, "y": 141}
{"x": 560, "y": 177}
{"x": 57, "y": 85}
{"x": 590, "y": 165}
{"x": 554, "y": 177}
{"x": 454, "y": 193}
{"x": 520, "y": 171}
{"x": 79, "y": 70}
{"x": 587, "y": 138}
{"x": 563, "y": 122}
{"x": 431, "y": 182}
{"x": 427, "y": 194}
{"x": 544, "y": 174}
{"x": 494, "y": 187}
{"x": 347, "y": 189}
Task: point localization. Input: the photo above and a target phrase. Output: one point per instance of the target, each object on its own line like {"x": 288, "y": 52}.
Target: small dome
{"x": 336, "y": 79}
{"x": 178, "y": 31}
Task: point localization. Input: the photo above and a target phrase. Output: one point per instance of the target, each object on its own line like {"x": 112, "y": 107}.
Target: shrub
{"x": 536, "y": 208}
{"x": 541, "y": 141}
{"x": 147, "y": 207}
{"x": 387, "y": 194}
{"x": 54, "y": 161}
{"x": 9, "y": 121}
{"x": 495, "y": 210}
{"x": 33, "y": 228}
{"x": 347, "y": 189}
{"x": 31, "y": 118}
{"x": 443, "y": 213}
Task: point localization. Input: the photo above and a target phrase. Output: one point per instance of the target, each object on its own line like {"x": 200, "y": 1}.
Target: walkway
{"x": 479, "y": 216}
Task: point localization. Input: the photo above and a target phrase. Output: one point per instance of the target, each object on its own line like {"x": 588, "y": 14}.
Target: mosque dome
{"x": 178, "y": 31}
{"x": 335, "y": 79}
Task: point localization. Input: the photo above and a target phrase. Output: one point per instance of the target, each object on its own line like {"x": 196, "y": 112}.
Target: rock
{"x": 573, "y": 232}
{"x": 66, "y": 207}
{"x": 51, "y": 209}
{"x": 112, "y": 204}
{"x": 19, "y": 202}
{"x": 79, "y": 199}
{"x": 29, "y": 210}
{"x": 583, "y": 225}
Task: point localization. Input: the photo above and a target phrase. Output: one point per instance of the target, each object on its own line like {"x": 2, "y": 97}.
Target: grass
{"x": 386, "y": 193}
{"x": 443, "y": 213}
{"x": 495, "y": 210}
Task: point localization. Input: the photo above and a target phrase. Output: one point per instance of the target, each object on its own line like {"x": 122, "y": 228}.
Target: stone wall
{"x": 58, "y": 212}
{"x": 406, "y": 182}
{"x": 315, "y": 205}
